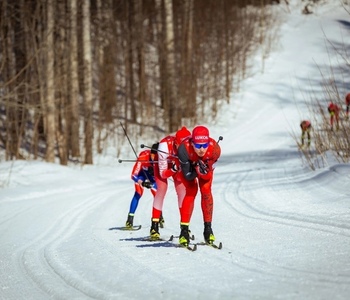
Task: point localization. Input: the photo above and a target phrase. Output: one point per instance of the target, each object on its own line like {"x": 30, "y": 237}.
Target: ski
{"x": 133, "y": 228}
{"x": 176, "y": 236}
{"x": 159, "y": 239}
{"x": 170, "y": 241}
{"x": 215, "y": 246}
{"x": 150, "y": 239}
{"x": 191, "y": 248}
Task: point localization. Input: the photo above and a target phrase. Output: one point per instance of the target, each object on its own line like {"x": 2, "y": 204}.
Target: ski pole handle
{"x": 220, "y": 139}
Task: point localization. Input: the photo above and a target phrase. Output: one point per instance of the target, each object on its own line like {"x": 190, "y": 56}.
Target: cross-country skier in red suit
{"x": 168, "y": 166}
{"x": 334, "y": 111}
{"x": 143, "y": 176}
{"x": 198, "y": 155}
{"x": 347, "y": 103}
{"x": 305, "y": 130}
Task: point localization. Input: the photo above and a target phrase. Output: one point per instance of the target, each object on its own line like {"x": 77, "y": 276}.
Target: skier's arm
{"x": 163, "y": 158}
{"x": 216, "y": 152}
{"x": 136, "y": 171}
{"x": 187, "y": 167}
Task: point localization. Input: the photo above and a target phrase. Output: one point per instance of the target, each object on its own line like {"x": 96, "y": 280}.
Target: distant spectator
{"x": 305, "y": 129}
{"x": 334, "y": 111}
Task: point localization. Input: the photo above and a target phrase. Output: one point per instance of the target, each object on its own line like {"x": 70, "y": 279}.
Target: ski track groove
{"x": 15, "y": 214}
{"x": 239, "y": 185}
{"x": 293, "y": 219}
{"x": 120, "y": 252}
{"x": 41, "y": 263}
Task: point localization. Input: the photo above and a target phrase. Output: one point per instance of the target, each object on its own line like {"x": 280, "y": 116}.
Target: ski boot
{"x": 130, "y": 221}
{"x": 161, "y": 221}
{"x": 154, "y": 232}
{"x": 184, "y": 238}
{"x": 208, "y": 233}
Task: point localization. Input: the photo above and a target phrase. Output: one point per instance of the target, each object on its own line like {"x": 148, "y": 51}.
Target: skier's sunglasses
{"x": 198, "y": 146}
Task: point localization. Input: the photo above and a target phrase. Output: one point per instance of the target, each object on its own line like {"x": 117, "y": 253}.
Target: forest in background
{"x": 72, "y": 70}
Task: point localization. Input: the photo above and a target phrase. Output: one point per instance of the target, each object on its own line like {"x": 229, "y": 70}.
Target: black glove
{"x": 174, "y": 168}
{"x": 151, "y": 171}
{"x": 146, "y": 184}
{"x": 202, "y": 167}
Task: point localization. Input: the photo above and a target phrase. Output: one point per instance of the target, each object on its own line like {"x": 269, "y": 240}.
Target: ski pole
{"x": 220, "y": 139}
{"x": 145, "y": 146}
{"x": 136, "y": 160}
{"x": 133, "y": 149}
{"x": 128, "y": 139}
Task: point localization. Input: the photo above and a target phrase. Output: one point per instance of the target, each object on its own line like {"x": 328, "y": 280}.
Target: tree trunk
{"x": 73, "y": 124}
{"x": 87, "y": 82}
{"x": 142, "y": 94}
{"x": 61, "y": 81}
{"x": 189, "y": 84}
{"x": 50, "y": 90}
{"x": 130, "y": 61}
{"x": 160, "y": 25}
{"x": 99, "y": 60}
{"x": 9, "y": 74}
{"x": 172, "y": 110}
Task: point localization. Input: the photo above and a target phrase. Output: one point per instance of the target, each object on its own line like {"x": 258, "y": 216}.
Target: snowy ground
{"x": 285, "y": 229}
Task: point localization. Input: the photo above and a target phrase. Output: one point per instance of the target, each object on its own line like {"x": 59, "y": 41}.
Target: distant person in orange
{"x": 305, "y": 130}
{"x": 347, "y": 103}
{"x": 334, "y": 111}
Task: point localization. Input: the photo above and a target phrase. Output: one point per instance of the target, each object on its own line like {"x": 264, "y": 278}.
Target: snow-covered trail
{"x": 285, "y": 229}
{"x": 285, "y": 232}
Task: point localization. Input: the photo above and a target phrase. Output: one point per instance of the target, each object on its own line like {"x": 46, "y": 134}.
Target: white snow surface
{"x": 285, "y": 229}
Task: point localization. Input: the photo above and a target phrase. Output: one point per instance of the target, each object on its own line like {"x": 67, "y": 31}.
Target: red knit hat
{"x": 181, "y": 134}
{"x": 200, "y": 135}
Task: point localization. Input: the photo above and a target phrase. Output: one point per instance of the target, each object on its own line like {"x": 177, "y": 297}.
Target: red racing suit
{"x": 168, "y": 166}
{"x": 143, "y": 170}
{"x": 347, "y": 103}
{"x": 197, "y": 171}
{"x": 334, "y": 111}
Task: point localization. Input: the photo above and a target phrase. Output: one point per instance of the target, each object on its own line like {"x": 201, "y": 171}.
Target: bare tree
{"x": 187, "y": 89}
{"x": 171, "y": 107}
{"x": 87, "y": 89}
{"x": 73, "y": 95}
{"x": 160, "y": 29}
{"x": 142, "y": 88}
{"x": 61, "y": 81}
{"x": 155, "y": 64}
{"x": 50, "y": 110}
